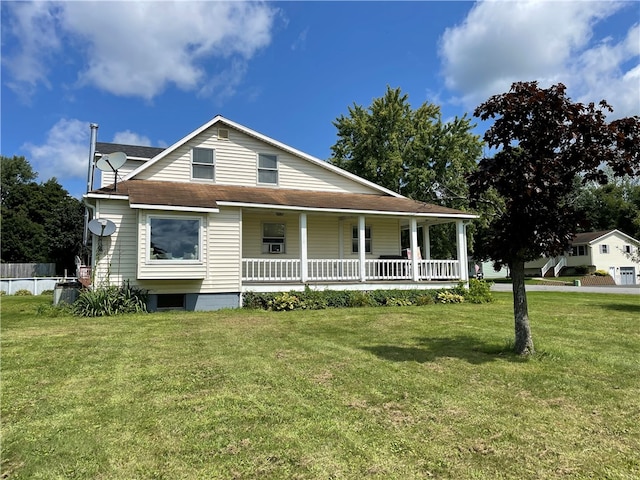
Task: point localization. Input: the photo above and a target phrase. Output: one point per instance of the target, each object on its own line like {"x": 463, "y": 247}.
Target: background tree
{"x": 614, "y": 205}
{"x": 543, "y": 142}
{"x": 41, "y": 223}
{"x": 412, "y": 152}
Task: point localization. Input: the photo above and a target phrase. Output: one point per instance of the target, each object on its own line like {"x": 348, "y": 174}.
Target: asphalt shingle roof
{"x": 157, "y": 193}
{"x": 130, "y": 150}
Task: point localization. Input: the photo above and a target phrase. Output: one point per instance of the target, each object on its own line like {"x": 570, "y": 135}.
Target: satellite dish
{"x": 111, "y": 162}
{"x": 102, "y": 227}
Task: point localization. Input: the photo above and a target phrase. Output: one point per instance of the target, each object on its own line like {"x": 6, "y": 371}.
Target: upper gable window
{"x": 604, "y": 248}
{"x": 268, "y": 169}
{"x": 203, "y": 163}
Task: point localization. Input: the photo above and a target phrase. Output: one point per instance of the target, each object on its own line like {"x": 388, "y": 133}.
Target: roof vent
{"x": 223, "y": 134}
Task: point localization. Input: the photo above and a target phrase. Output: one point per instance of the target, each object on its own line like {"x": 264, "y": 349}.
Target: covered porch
{"x": 326, "y": 251}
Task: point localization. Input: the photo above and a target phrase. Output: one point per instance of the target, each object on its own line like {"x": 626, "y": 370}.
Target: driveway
{"x": 626, "y": 289}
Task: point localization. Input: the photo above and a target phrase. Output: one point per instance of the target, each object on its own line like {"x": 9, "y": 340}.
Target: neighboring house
{"x": 226, "y": 210}
{"x": 607, "y": 250}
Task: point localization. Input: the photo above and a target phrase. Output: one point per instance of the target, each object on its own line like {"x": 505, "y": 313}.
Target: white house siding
{"x": 323, "y": 240}
{"x": 236, "y": 163}
{"x": 118, "y": 260}
{"x": 224, "y": 239}
{"x": 108, "y": 177}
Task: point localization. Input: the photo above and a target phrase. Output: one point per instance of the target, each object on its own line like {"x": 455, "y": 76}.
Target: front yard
{"x": 381, "y": 393}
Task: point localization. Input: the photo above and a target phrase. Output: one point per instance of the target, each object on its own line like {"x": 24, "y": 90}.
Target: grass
{"x": 567, "y": 279}
{"x": 380, "y": 393}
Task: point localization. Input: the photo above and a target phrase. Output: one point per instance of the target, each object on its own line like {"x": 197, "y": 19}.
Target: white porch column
{"x": 413, "y": 242}
{"x": 304, "y": 274}
{"x": 362, "y": 254}
{"x": 427, "y": 242}
{"x": 462, "y": 250}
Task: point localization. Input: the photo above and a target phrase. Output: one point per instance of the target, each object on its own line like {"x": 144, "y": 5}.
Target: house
{"x": 226, "y": 210}
{"x": 608, "y": 250}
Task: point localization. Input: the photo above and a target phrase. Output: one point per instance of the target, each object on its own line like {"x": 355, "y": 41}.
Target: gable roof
{"x": 591, "y": 237}
{"x": 132, "y": 151}
{"x": 208, "y": 197}
{"x": 219, "y": 119}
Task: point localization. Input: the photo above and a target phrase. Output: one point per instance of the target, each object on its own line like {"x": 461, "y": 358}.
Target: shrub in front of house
{"x": 449, "y": 297}
{"x": 479, "y": 291}
{"x": 107, "y": 301}
{"x": 601, "y": 273}
{"x": 23, "y": 292}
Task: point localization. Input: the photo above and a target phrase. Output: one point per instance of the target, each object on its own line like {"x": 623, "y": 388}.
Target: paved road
{"x": 626, "y": 289}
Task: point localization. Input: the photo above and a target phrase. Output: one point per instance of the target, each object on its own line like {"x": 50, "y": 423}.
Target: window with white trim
{"x": 604, "y": 248}
{"x": 174, "y": 238}
{"x": 203, "y": 163}
{"x": 274, "y": 238}
{"x": 627, "y": 249}
{"x": 267, "y": 169}
{"x": 367, "y": 239}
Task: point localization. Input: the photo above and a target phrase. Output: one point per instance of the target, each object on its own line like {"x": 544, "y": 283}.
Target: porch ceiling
{"x": 198, "y": 195}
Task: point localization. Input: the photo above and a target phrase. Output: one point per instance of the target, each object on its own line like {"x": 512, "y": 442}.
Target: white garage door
{"x": 627, "y": 276}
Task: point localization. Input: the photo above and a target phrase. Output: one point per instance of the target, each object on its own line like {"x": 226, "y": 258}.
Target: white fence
{"x": 35, "y": 285}
{"x": 341, "y": 270}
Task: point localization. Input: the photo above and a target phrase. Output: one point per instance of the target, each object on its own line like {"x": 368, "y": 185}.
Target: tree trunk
{"x": 524, "y": 342}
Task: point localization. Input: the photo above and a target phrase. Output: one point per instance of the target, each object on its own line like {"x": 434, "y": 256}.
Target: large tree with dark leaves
{"x": 41, "y": 222}
{"x": 543, "y": 141}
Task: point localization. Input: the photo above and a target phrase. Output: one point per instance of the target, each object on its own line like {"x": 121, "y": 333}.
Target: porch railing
{"x": 340, "y": 270}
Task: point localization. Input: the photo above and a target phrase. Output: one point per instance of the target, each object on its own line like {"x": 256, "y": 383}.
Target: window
{"x": 203, "y": 163}
{"x": 171, "y": 301}
{"x": 627, "y": 249}
{"x": 267, "y": 169}
{"x": 367, "y": 240}
{"x": 273, "y": 238}
{"x": 579, "y": 250}
{"x": 604, "y": 248}
{"x": 172, "y": 239}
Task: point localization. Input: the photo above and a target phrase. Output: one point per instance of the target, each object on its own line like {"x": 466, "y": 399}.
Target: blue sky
{"x": 151, "y": 72}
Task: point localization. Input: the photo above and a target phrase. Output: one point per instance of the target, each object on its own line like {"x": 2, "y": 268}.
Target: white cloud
{"x": 65, "y": 153}
{"x": 137, "y": 48}
{"x": 34, "y": 25}
{"x": 131, "y": 138}
{"x": 503, "y": 42}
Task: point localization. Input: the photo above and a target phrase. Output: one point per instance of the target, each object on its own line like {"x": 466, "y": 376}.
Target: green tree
{"x": 41, "y": 223}
{"x": 543, "y": 142}
{"x": 614, "y": 205}
{"x": 412, "y": 152}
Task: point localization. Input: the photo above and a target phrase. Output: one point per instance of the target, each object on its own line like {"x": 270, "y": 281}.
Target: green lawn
{"x": 379, "y": 393}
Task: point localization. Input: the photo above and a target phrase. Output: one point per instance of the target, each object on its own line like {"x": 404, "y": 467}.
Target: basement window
{"x": 171, "y": 301}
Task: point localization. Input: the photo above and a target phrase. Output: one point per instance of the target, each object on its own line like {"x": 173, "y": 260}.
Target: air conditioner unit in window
{"x": 275, "y": 248}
